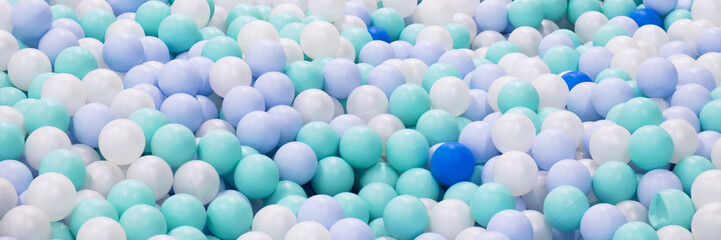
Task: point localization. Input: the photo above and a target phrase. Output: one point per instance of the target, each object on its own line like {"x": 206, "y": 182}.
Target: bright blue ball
{"x": 141, "y": 74}
{"x": 155, "y": 50}
{"x": 30, "y": 20}
{"x": 259, "y": 130}
{"x": 183, "y": 109}
{"x": 89, "y": 120}
{"x": 646, "y": 16}
{"x": 276, "y": 88}
{"x": 179, "y": 76}
{"x": 594, "y": 60}
{"x": 458, "y": 59}
{"x": 122, "y": 51}
{"x": 569, "y": 172}
{"x": 579, "y": 101}
{"x": 653, "y": 182}
{"x": 386, "y": 77}
{"x": 452, "y": 163}
{"x": 657, "y": 77}
{"x": 483, "y": 76}
{"x": 379, "y": 34}
{"x": 709, "y": 40}
{"x": 551, "y": 146}
{"x": 340, "y": 77}
{"x": 17, "y": 173}
{"x": 573, "y": 78}
{"x": 492, "y": 15}
{"x": 296, "y": 162}
{"x": 698, "y": 75}
{"x": 427, "y": 51}
{"x": 692, "y": 96}
{"x": 289, "y": 121}
{"x": 609, "y": 93}
{"x": 376, "y": 52}
{"x": 241, "y": 100}
{"x": 676, "y": 47}
{"x": 511, "y": 223}
{"x": 70, "y": 25}
{"x": 265, "y": 56}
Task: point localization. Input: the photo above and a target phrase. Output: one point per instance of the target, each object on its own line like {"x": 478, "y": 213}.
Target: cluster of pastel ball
{"x": 360, "y": 119}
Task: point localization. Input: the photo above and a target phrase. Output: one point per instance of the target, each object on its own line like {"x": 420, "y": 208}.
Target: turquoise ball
{"x": 229, "y": 216}
{"x": 564, "y": 207}
{"x": 489, "y": 199}
{"x": 405, "y": 217}
{"x": 614, "y": 182}
{"x": 142, "y": 222}
{"x": 256, "y": 176}
{"x": 67, "y": 163}
{"x": 183, "y": 210}
{"x": 650, "y": 147}
{"x": 361, "y": 147}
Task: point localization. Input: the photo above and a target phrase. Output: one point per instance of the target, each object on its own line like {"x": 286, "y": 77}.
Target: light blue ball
{"x": 323, "y": 209}
{"x": 653, "y": 182}
{"x": 241, "y": 100}
{"x": 487, "y": 171}
{"x": 196, "y": 49}
{"x": 706, "y": 139}
{"x": 265, "y": 56}
{"x": 483, "y": 76}
{"x": 662, "y": 7}
{"x": 479, "y": 107}
{"x": 692, "y": 96}
{"x": 89, "y": 120}
{"x": 55, "y": 41}
{"x": 124, "y": 6}
{"x": 208, "y": 108}
{"x": 699, "y": 75}
{"x": 30, "y": 20}
{"x": 676, "y": 47}
{"x": 259, "y": 130}
{"x": 141, "y": 74}
{"x": 609, "y": 93}
{"x": 183, "y": 109}
{"x": 430, "y": 236}
{"x": 376, "y": 52}
{"x": 402, "y": 49}
{"x": 458, "y": 59}
{"x": 289, "y": 121}
{"x": 657, "y": 77}
{"x": 476, "y": 136}
{"x": 511, "y": 223}
{"x": 552, "y": 40}
{"x": 709, "y": 40}
{"x": 579, "y": 101}
{"x": 601, "y": 221}
{"x": 179, "y": 76}
{"x": 359, "y": 10}
{"x": 203, "y": 65}
{"x": 296, "y": 162}
{"x": 492, "y": 15}
{"x": 155, "y": 50}
{"x": 594, "y": 60}
{"x": 551, "y": 146}
{"x": 626, "y": 23}
{"x": 153, "y": 92}
{"x": 683, "y": 113}
{"x": 344, "y": 122}
{"x": 276, "y": 88}
{"x": 386, "y": 77}
{"x": 340, "y": 77}
{"x": 123, "y": 51}
{"x": 569, "y": 172}
{"x": 351, "y": 229}
{"x": 590, "y": 130}
{"x": 17, "y": 173}
{"x": 427, "y": 51}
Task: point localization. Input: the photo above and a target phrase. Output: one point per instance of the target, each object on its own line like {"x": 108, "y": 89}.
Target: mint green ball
{"x": 689, "y": 168}
{"x": 5, "y": 80}
{"x": 525, "y": 13}
{"x": 292, "y": 202}
{"x": 407, "y": 149}
{"x": 389, "y": 20}
{"x": 615, "y": 8}
{"x": 65, "y": 162}
{"x": 639, "y": 112}
{"x": 489, "y": 199}
{"x": 418, "y": 182}
{"x": 674, "y": 16}
{"x": 537, "y": 122}
{"x": 671, "y": 207}
{"x": 710, "y": 115}
{"x": 612, "y": 72}
{"x": 437, "y": 71}
{"x": 229, "y": 216}
{"x": 380, "y": 172}
{"x": 353, "y": 206}
{"x": 358, "y": 37}
{"x": 614, "y": 182}
{"x": 650, "y": 147}
{"x": 364, "y": 69}
{"x": 614, "y": 115}
{"x": 150, "y": 15}
{"x": 576, "y": 8}
{"x": 461, "y": 191}
{"x": 561, "y": 58}
{"x": 499, "y": 49}
{"x": 518, "y": 93}
{"x": 256, "y": 176}
{"x": 221, "y": 149}
{"x": 304, "y": 76}
{"x": 279, "y": 20}
{"x": 459, "y": 34}
{"x": 333, "y": 176}
{"x": 12, "y": 141}
{"x": 128, "y": 193}
{"x": 321, "y": 137}
{"x": 292, "y": 31}
{"x": 242, "y": 10}
{"x": 178, "y": 32}
{"x": 377, "y": 195}
{"x": 554, "y": 10}
{"x": 462, "y": 122}
{"x": 405, "y": 217}
{"x": 635, "y": 231}
{"x": 321, "y": 62}
{"x": 309, "y": 18}
{"x": 564, "y": 207}
{"x": 10, "y": 95}
{"x": 636, "y": 91}
{"x": 438, "y": 126}
{"x": 46, "y": 112}
{"x": 361, "y": 147}
{"x": 183, "y": 210}
{"x": 220, "y": 47}
{"x": 187, "y": 233}
{"x": 410, "y": 33}
{"x": 36, "y": 86}
{"x": 211, "y": 32}
{"x": 142, "y": 222}
{"x": 174, "y": 143}
{"x": 58, "y": 231}
{"x": 237, "y": 24}
{"x": 95, "y": 22}
{"x": 88, "y": 209}
{"x": 283, "y": 189}
{"x": 75, "y": 60}
{"x": 606, "y": 32}
{"x": 542, "y": 114}
{"x": 378, "y": 228}
{"x": 570, "y": 34}
{"x": 149, "y": 120}
{"x": 63, "y": 11}
{"x": 408, "y": 102}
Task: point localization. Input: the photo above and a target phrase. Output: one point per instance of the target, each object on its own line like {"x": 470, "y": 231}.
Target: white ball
{"x": 197, "y": 178}
{"x": 633, "y": 211}
{"x": 677, "y": 30}
{"x": 53, "y": 193}
{"x": 712, "y": 62}
{"x": 648, "y": 48}
{"x": 308, "y": 230}
{"x": 695, "y": 29}
{"x": 154, "y": 172}
{"x": 706, "y": 9}
{"x": 345, "y": 49}
{"x": 25, "y": 65}
{"x": 366, "y": 102}
{"x": 13, "y": 115}
{"x": 274, "y": 220}
{"x": 102, "y": 176}
{"x": 43, "y": 141}
{"x": 674, "y": 232}
{"x": 255, "y": 236}
{"x": 486, "y": 39}
{"x": 121, "y": 141}
{"x": 510, "y": 60}
{"x": 628, "y": 60}
{"x": 450, "y": 94}
{"x": 404, "y": 7}
{"x": 125, "y": 26}
{"x": 101, "y": 86}
{"x": 547, "y": 27}
{"x": 705, "y": 224}
{"x": 288, "y": 8}
{"x": 8, "y": 44}
{"x": 535, "y": 198}
{"x": 128, "y": 101}
{"x": 436, "y": 34}
{"x": 716, "y": 154}
{"x": 517, "y": 171}
{"x": 228, "y": 73}
{"x": 87, "y": 194}
{"x": 652, "y": 34}
{"x": 319, "y": 39}
{"x": 433, "y": 12}
{"x": 467, "y": 22}
{"x": 530, "y": 68}
{"x": 8, "y": 197}
{"x": 255, "y": 31}
{"x": 96, "y": 48}
{"x": 330, "y": 9}
{"x": 552, "y": 90}
{"x": 162, "y": 237}
{"x": 219, "y": 18}
{"x": 25, "y": 222}
{"x": 542, "y": 230}
{"x": 587, "y": 24}
{"x": 495, "y": 88}
{"x": 314, "y": 105}
{"x": 198, "y": 10}
{"x": 101, "y": 228}
{"x": 67, "y": 89}
{"x": 610, "y": 143}
{"x": 449, "y": 217}
{"x": 407, "y": 70}
{"x": 87, "y": 5}
{"x": 292, "y": 49}
{"x": 685, "y": 140}
{"x": 349, "y": 21}
{"x": 513, "y": 132}
{"x": 470, "y": 233}
{"x": 706, "y": 188}
{"x": 5, "y": 11}
{"x": 527, "y": 39}
{"x": 682, "y": 61}
{"x": 87, "y": 153}
{"x": 565, "y": 121}
{"x": 418, "y": 67}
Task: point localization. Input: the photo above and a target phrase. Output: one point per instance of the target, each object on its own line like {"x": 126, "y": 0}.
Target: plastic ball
{"x": 634, "y": 211}
{"x": 101, "y": 227}
{"x": 333, "y": 175}
{"x": 670, "y": 207}
{"x": 174, "y": 143}
{"x": 240, "y": 101}
{"x": 673, "y": 232}
{"x": 610, "y": 143}
{"x": 340, "y": 76}
{"x": 221, "y": 149}
{"x": 407, "y": 149}
{"x": 53, "y": 193}
{"x": 127, "y": 101}
{"x": 26, "y": 222}
{"x": 178, "y": 32}
{"x": 121, "y": 141}
{"x": 142, "y": 221}
{"x": 489, "y": 199}
{"x": 405, "y": 217}
{"x": 67, "y": 163}
{"x": 361, "y": 146}
{"x": 564, "y": 208}
{"x": 541, "y": 228}
{"x": 353, "y": 206}
{"x": 376, "y": 196}
{"x": 198, "y": 179}
{"x": 601, "y": 221}
{"x": 639, "y": 112}
{"x": 274, "y": 220}
{"x": 43, "y": 141}
{"x": 256, "y": 176}
{"x": 702, "y": 190}
{"x": 256, "y": 124}
{"x": 657, "y": 77}
{"x": 513, "y": 132}
{"x": 635, "y": 230}
{"x": 321, "y": 137}
{"x": 708, "y": 112}
{"x": 17, "y": 174}
{"x": 650, "y": 147}
{"x": 308, "y": 230}
{"x": 228, "y": 73}
{"x": 154, "y": 172}
{"x": 25, "y": 65}
{"x": 519, "y": 172}
{"x": 525, "y": 13}
{"x": 569, "y": 172}
{"x": 319, "y": 39}
{"x": 30, "y": 20}
{"x": 366, "y": 102}
{"x": 101, "y": 86}
{"x": 450, "y": 86}
{"x": 314, "y": 105}
{"x": 702, "y": 225}
{"x": 614, "y": 182}
{"x": 296, "y": 162}
{"x": 183, "y": 210}
{"x": 492, "y": 15}
{"x": 229, "y": 216}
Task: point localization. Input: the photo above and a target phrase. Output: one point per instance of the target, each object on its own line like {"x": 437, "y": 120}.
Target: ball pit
{"x": 360, "y": 119}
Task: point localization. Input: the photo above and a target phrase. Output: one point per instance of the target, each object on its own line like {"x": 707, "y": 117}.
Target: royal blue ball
{"x": 646, "y": 16}
{"x": 379, "y": 34}
{"x": 451, "y": 163}
{"x": 573, "y": 78}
